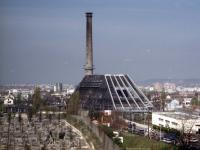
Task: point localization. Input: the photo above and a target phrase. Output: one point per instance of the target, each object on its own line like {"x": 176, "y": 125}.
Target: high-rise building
{"x": 58, "y": 87}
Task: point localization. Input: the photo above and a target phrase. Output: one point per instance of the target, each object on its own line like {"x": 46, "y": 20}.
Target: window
{"x": 119, "y": 92}
{"x": 174, "y": 123}
{"x": 160, "y": 119}
{"x": 167, "y": 121}
{"x": 126, "y": 93}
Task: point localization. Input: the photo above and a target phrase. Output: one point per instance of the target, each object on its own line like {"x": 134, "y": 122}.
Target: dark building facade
{"x": 112, "y": 92}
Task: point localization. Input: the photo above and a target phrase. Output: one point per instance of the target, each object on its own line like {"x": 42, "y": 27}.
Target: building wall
{"x": 179, "y": 124}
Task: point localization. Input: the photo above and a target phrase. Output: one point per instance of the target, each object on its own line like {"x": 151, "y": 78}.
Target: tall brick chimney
{"x": 89, "y": 50}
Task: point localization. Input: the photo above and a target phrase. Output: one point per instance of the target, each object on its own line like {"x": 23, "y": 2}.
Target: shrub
{"x": 108, "y": 131}
{"x": 167, "y": 130}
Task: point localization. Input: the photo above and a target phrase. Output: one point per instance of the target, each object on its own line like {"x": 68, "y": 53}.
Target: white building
{"x": 8, "y": 101}
{"x": 173, "y": 105}
{"x": 168, "y": 97}
{"x": 158, "y": 86}
{"x": 188, "y": 89}
{"x": 187, "y": 102}
{"x": 70, "y": 91}
{"x": 13, "y": 91}
{"x": 58, "y": 87}
{"x": 177, "y": 120}
{"x": 170, "y": 87}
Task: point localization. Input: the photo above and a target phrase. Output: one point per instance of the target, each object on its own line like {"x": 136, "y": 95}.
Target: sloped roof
{"x": 116, "y": 92}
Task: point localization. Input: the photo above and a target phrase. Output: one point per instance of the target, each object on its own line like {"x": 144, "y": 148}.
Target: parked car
{"x": 194, "y": 140}
{"x": 166, "y": 140}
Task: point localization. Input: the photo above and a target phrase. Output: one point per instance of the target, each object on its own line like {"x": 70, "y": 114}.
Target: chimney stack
{"x": 89, "y": 50}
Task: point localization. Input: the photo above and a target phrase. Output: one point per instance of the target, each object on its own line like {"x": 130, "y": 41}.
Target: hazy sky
{"x": 43, "y": 41}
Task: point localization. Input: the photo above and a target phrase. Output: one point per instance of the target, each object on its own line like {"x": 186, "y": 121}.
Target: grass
{"x": 136, "y": 141}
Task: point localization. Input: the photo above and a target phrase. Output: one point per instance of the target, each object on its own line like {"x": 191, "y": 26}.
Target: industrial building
{"x": 188, "y": 123}
{"x": 112, "y": 92}
{"x": 108, "y": 92}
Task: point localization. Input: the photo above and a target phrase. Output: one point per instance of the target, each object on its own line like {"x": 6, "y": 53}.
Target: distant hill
{"x": 178, "y": 82}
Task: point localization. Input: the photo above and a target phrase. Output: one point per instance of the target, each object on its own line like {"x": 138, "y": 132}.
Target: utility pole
{"x": 148, "y": 123}
{"x": 160, "y": 132}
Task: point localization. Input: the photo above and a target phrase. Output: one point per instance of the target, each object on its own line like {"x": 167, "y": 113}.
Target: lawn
{"x": 136, "y": 141}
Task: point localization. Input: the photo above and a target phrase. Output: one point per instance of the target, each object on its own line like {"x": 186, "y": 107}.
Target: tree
{"x": 20, "y": 121}
{"x": 185, "y": 134}
{"x": 9, "y": 120}
{"x": 1, "y": 106}
{"x": 9, "y": 117}
{"x": 73, "y": 104}
{"x": 18, "y": 99}
{"x": 44, "y": 147}
{"x": 36, "y": 100}
{"x": 59, "y": 108}
{"x": 162, "y": 100}
{"x": 195, "y": 101}
{"x": 50, "y": 117}
{"x": 27, "y": 147}
{"x": 118, "y": 121}
{"x": 46, "y": 109}
{"x": 30, "y": 114}
{"x": 40, "y": 116}
{"x": 1, "y": 112}
{"x": 70, "y": 134}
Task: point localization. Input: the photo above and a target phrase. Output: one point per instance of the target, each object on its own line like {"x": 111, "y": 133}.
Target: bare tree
{"x": 187, "y": 124}
{"x": 30, "y": 114}
{"x": 117, "y": 120}
{"x": 71, "y": 135}
{"x": 36, "y": 100}
{"x": 162, "y": 100}
{"x": 9, "y": 121}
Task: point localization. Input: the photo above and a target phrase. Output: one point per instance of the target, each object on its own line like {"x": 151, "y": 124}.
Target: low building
{"x": 173, "y": 105}
{"x": 187, "y": 102}
{"x": 8, "y": 101}
{"x": 188, "y": 123}
{"x": 170, "y": 87}
{"x": 158, "y": 86}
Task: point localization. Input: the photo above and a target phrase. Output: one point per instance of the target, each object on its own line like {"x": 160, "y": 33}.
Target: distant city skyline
{"x": 44, "y": 41}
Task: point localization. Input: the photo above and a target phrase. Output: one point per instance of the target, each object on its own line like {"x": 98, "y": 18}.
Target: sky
{"x": 43, "y": 41}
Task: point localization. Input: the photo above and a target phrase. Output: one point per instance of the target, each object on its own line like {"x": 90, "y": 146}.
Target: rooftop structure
{"x": 112, "y": 92}
{"x": 180, "y": 115}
